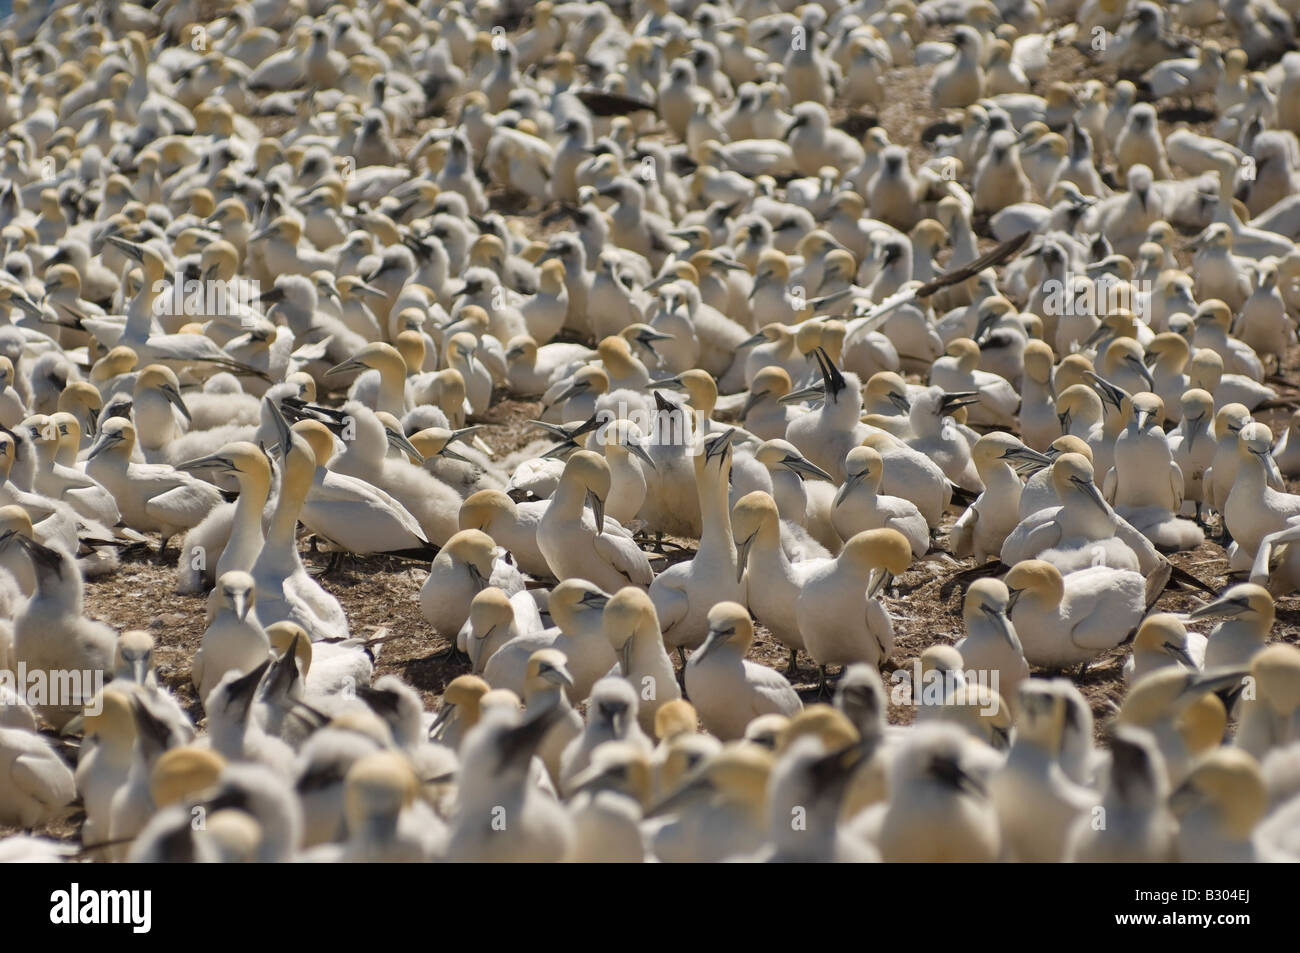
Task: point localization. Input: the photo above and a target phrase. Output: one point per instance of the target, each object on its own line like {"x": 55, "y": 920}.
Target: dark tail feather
{"x": 1183, "y": 577}
{"x": 962, "y": 496}
{"x": 994, "y": 567}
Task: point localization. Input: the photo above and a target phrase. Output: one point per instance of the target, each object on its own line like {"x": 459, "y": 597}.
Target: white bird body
{"x": 684, "y": 593}
{"x": 1097, "y": 609}
{"x": 730, "y": 691}
{"x": 859, "y": 505}
{"x": 991, "y": 644}
{"x": 151, "y": 497}
{"x": 840, "y": 623}
{"x": 575, "y": 548}
{"x": 38, "y": 785}
{"x": 1037, "y": 803}
{"x": 466, "y": 565}
{"x": 234, "y": 639}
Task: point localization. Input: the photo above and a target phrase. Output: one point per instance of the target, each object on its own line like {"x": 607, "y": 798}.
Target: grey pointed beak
{"x": 1014, "y": 597}
{"x": 1180, "y": 653}
{"x": 806, "y": 468}
{"x": 635, "y": 448}
{"x": 558, "y": 675}
{"x": 573, "y": 390}
{"x": 351, "y": 364}
{"x": 715, "y": 638}
{"x": 751, "y": 402}
{"x": 399, "y": 442}
{"x": 102, "y": 444}
{"x": 1218, "y": 609}
{"x": 1089, "y": 489}
{"x": 742, "y": 555}
{"x": 804, "y": 393}
{"x": 598, "y": 510}
{"x": 956, "y": 399}
{"x": 1142, "y": 370}
{"x": 213, "y": 461}
{"x": 1027, "y": 457}
{"x": 1096, "y": 335}
{"x": 174, "y": 398}
{"x": 129, "y": 248}
{"x": 1000, "y": 622}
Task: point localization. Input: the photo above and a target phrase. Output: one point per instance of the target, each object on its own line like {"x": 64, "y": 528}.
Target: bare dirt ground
{"x": 381, "y": 593}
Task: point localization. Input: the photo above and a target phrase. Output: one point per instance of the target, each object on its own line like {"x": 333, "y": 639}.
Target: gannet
{"x": 1073, "y": 619}
{"x": 985, "y": 525}
{"x": 596, "y": 551}
{"x": 1082, "y": 531}
{"x": 495, "y": 619}
{"x": 431, "y": 502}
{"x": 347, "y": 511}
{"x": 576, "y": 607}
{"x": 546, "y": 680}
{"x": 1257, "y": 516}
{"x": 152, "y": 497}
{"x": 607, "y": 804}
{"x": 826, "y": 435}
{"x": 1192, "y": 446}
{"x": 1149, "y": 504}
{"x": 716, "y": 810}
{"x": 243, "y": 522}
{"x": 233, "y": 733}
{"x": 1221, "y": 475}
{"x": 459, "y": 710}
{"x": 1177, "y": 706}
{"x": 991, "y": 643}
{"x": 38, "y": 785}
{"x": 1268, "y": 718}
{"x": 234, "y": 639}
{"x": 611, "y": 716}
{"x": 728, "y": 690}
{"x": 1247, "y": 613}
{"x": 809, "y": 776}
{"x": 51, "y": 632}
{"x": 839, "y": 615}
{"x": 321, "y": 766}
{"x": 939, "y": 807}
{"x": 913, "y": 476}
{"x": 632, "y": 630}
{"x": 284, "y": 590}
{"x": 936, "y": 434}
{"x": 466, "y": 565}
{"x": 1037, "y": 804}
{"x": 513, "y": 526}
{"x": 1136, "y": 825}
{"x": 1218, "y": 804}
{"x": 1162, "y": 640}
{"x": 684, "y": 593}
{"x": 859, "y": 505}
{"x": 385, "y": 821}
{"x": 132, "y": 803}
{"x": 105, "y": 759}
